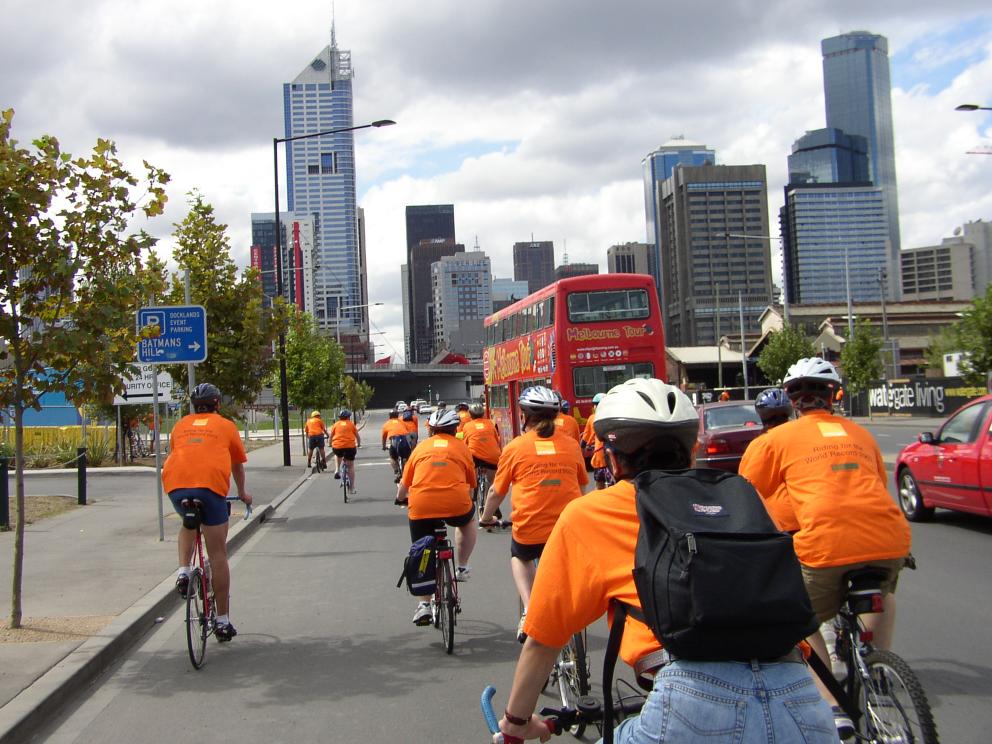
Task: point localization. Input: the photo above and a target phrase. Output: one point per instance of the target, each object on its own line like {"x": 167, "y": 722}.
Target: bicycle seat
{"x": 192, "y": 513}
{"x": 864, "y": 593}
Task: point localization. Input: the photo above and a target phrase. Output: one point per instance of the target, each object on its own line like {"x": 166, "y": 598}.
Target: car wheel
{"x": 911, "y": 500}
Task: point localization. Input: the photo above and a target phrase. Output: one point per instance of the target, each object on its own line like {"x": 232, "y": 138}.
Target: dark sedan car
{"x": 951, "y": 468}
{"x": 725, "y": 431}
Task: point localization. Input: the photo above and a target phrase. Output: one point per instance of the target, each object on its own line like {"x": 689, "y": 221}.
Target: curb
{"x": 37, "y": 705}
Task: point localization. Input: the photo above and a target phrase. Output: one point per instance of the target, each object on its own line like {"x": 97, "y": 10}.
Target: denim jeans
{"x": 732, "y": 703}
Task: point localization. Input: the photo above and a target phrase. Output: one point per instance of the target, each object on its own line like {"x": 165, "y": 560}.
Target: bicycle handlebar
{"x": 559, "y": 719}
{"x": 247, "y": 506}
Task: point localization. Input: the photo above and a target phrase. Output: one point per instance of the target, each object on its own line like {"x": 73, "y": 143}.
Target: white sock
{"x": 223, "y": 620}
{"x": 185, "y": 570}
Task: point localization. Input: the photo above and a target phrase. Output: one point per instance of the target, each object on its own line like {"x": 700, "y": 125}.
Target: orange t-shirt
{"x": 411, "y": 425}
{"x": 834, "y": 478}
{"x": 344, "y": 434}
{"x": 482, "y": 440}
{"x": 568, "y": 425}
{"x": 598, "y": 459}
{"x": 546, "y": 474}
{"x": 778, "y": 505}
{"x": 586, "y": 563}
{"x": 394, "y": 428}
{"x": 202, "y": 449}
{"x": 315, "y": 426}
{"x": 439, "y": 476}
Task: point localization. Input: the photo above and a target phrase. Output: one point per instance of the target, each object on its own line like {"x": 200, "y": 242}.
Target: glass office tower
{"x": 657, "y": 167}
{"x": 829, "y": 156}
{"x": 320, "y": 184}
{"x": 857, "y": 93}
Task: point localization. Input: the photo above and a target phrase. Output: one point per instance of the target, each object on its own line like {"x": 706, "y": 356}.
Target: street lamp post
{"x": 972, "y": 107}
{"x": 283, "y": 396}
{"x": 785, "y": 276}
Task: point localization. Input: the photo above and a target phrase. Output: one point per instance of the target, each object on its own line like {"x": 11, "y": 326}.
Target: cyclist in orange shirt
{"x": 316, "y": 431}
{"x": 482, "y": 440}
{"x": 546, "y": 469}
{"x": 205, "y": 452}
{"x": 437, "y": 483}
{"x": 834, "y": 475}
{"x": 565, "y": 421}
{"x": 345, "y": 442}
{"x": 393, "y": 428}
{"x": 648, "y": 425}
{"x": 774, "y": 408}
{"x": 463, "y": 415}
{"x": 593, "y": 448}
{"x": 409, "y": 419}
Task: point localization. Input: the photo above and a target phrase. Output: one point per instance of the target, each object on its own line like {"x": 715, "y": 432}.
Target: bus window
{"x": 532, "y": 323}
{"x": 620, "y": 304}
{"x": 587, "y": 381}
{"x": 519, "y": 328}
{"x": 549, "y": 311}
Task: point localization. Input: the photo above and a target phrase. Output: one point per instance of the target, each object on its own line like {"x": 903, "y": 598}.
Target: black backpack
{"x": 717, "y": 581}
{"x": 403, "y": 446}
{"x": 420, "y": 568}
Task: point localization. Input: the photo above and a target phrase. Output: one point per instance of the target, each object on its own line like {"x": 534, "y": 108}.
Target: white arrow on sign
{"x": 139, "y": 389}
{"x": 194, "y": 346}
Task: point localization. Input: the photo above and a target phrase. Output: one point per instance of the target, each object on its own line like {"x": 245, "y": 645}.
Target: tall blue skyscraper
{"x": 857, "y": 92}
{"x": 657, "y": 167}
{"x": 829, "y": 156}
{"x": 320, "y": 184}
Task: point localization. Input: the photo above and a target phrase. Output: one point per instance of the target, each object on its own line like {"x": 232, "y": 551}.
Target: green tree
{"x": 973, "y": 334}
{"x": 860, "y": 358}
{"x": 944, "y": 342}
{"x": 784, "y": 348}
{"x": 314, "y": 364}
{"x": 355, "y": 395}
{"x": 239, "y": 330}
{"x": 72, "y": 277}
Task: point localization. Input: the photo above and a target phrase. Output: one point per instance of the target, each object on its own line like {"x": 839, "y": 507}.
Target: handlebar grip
{"x": 487, "y": 709}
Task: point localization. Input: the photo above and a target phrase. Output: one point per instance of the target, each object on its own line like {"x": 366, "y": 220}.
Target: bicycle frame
{"x": 445, "y": 603}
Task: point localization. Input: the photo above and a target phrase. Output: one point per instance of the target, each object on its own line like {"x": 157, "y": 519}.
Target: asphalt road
{"x": 326, "y": 651}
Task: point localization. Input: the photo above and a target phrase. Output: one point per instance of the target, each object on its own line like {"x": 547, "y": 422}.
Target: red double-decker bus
{"x": 579, "y": 336}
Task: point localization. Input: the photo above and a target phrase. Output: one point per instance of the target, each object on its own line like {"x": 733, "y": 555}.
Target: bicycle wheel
{"x": 196, "y": 618}
{"x": 446, "y": 610}
{"x": 895, "y": 705}
{"x": 345, "y": 484}
{"x": 573, "y": 676}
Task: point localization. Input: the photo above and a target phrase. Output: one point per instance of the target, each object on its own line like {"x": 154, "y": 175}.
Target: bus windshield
{"x": 618, "y": 304}
{"x": 588, "y": 381}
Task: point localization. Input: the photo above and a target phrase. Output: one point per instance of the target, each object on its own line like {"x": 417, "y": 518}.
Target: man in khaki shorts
{"x": 834, "y": 478}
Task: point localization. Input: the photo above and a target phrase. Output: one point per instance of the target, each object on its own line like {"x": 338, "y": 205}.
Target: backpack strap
{"x": 620, "y": 611}
{"x": 830, "y": 682}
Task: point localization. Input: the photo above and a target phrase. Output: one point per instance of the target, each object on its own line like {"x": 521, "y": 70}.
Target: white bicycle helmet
{"x": 400, "y": 407}
{"x": 642, "y": 411}
{"x": 810, "y": 383}
{"x": 539, "y": 400}
{"x": 444, "y": 419}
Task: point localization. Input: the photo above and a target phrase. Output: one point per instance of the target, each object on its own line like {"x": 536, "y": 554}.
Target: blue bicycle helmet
{"x": 407, "y": 415}
{"x": 772, "y": 404}
{"x": 344, "y": 414}
{"x": 596, "y": 398}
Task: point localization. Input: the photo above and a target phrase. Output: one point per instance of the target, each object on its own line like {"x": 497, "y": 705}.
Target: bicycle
{"x": 445, "y": 604}
{"x": 346, "y": 486}
{"x": 558, "y": 720}
{"x": 890, "y": 704}
{"x": 320, "y": 464}
{"x": 481, "y": 489}
{"x": 201, "y": 613}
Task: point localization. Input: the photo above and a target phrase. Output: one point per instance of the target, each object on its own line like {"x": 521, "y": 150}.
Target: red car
{"x": 952, "y": 468}
{"x": 725, "y": 431}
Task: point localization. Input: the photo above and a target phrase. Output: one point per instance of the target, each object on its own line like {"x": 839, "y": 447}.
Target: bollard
{"x": 81, "y": 475}
{"x": 4, "y": 495}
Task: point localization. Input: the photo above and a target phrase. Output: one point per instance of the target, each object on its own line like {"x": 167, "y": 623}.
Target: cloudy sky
{"x": 531, "y": 117}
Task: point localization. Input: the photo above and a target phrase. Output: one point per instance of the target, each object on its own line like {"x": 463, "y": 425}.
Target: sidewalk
{"x": 96, "y": 577}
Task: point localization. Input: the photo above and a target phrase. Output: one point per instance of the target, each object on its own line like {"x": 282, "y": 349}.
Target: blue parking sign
{"x": 172, "y": 334}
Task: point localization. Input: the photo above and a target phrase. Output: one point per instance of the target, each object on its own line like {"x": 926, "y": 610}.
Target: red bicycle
{"x": 201, "y": 612}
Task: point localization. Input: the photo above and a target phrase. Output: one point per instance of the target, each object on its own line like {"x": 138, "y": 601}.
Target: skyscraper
{"x": 829, "y": 156}
{"x": 462, "y": 287}
{"x": 534, "y": 262}
{"x": 658, "y": 166}
{"x": 320, "y": 184}
{"x": 833, "y": 235}
{"x": 630, "y": 258}
{"x": 298, "y": 241}
{"x": 707, "y": 262}
{"x": 566, "y": 271}
{"x": 430, "y": 234}
{"x": 858, "y": 98}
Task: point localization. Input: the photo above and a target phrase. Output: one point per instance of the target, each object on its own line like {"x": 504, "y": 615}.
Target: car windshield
{"x": 730, "y": 417}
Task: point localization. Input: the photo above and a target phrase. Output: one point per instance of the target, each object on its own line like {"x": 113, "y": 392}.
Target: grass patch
{"x": 41, "y": 507}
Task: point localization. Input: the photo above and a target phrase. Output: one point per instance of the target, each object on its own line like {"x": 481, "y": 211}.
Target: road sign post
{"x": 172, "y": 334}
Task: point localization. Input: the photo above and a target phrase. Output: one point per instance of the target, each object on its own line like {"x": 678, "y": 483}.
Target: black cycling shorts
{"x": 392, "y": 453}
{"x": 316, "y": 442}
{"x": 525, "y": 552}
{"x": 482, "y": 463}
{"x": 423, "y": 527}
{"x": 347, "y": 453}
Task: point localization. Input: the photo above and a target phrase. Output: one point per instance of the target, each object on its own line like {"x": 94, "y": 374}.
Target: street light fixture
{"x": 972, "y": 107}
{"x": 283, "y": 397}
